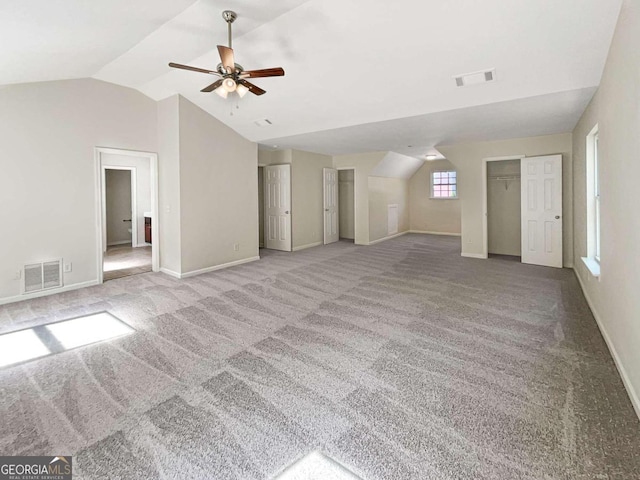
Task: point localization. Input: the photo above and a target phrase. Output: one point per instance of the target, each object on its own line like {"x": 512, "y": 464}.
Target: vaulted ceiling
{"x": 360, "y": 75}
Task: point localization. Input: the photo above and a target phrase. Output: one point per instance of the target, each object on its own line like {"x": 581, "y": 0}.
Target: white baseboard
{"x": 633, "y": 395}
{"x": 384, "y": 239}
{"x": 194, "y": 273}
{"x": 171, "y": 273}
{"x": 53, "y": 291}
{"x": 123, "y": 242}
{"x": 309, "y": 245}
{"x": 436, "y": 233}
{"x": 473, "y": 255}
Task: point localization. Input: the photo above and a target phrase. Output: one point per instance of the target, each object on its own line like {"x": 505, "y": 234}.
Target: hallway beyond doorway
{"x": 123, "y": 260}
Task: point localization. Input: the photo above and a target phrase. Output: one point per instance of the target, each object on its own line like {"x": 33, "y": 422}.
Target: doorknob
{"x": 326, "y": 209}
{"x": 557, "y": 217}
{"x": 286, "y": 212}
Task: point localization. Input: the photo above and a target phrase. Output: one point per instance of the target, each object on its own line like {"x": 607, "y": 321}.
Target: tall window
{"x": 596, "y": 194}
{"x": 592, "y": 260}
{"x": 444, "y": 184}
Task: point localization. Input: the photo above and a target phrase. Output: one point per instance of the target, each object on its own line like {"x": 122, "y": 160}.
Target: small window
{"x": 444, "y": 184}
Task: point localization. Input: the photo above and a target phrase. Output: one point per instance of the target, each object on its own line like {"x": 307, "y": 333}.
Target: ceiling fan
{"x": 232, "y": 76}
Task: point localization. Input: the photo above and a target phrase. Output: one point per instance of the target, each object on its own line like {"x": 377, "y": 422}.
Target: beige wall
{"x": 346, "y": 203}
{"x": 616, "y": 110}
{"x": 48, "y": 132}
{"x": 428, "y": 214}
{"x": 384, "y": 191}
{"x": 218, "y": 191}
{"x": 306, "y": 192}
{"x": 169, "y": 184}
{"x": 307, "y": 197}
{"x": 503, "y": 208}
{"x": 118, "y": 206}
{"x": 468, "y": 159}
{"x": 274, "y": 157}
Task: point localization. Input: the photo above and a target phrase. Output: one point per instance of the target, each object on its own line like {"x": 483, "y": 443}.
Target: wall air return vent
{"x": 42, "y": 276}
{"x": 263, "y": 122}
{"x": 475, "y": 78}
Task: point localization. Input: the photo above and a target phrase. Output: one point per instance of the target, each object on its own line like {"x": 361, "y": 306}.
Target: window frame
{"x": 432, "y": 184}
{"x": 593, "y": 163}
{"x": 596, "y": 195}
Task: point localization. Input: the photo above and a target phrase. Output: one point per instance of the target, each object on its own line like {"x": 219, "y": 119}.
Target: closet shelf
{"x": 505, "y": 177}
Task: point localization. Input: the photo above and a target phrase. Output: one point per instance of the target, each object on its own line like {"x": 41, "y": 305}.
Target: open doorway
{"x": 346, "y": 204}
{"x": 127, "y": 209}
{"x": 504, "y": 232}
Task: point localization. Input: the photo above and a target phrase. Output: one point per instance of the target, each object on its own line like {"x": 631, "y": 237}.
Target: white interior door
{"x": 277, "y": 201}
{"x": 330, "y": 188}
{"x": 541, "y": 179}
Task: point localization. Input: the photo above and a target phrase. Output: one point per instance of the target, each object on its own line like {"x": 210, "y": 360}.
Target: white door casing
{"x": 277, "y": 204}
{"x": 100, "y": 204}
{"x": 541, "y": 179}
{"x": 392, "y": 219}
{"x": 330, "y": 204}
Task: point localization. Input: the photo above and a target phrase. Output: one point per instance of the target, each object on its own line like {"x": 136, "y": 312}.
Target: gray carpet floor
{"x": 400, "y": 360}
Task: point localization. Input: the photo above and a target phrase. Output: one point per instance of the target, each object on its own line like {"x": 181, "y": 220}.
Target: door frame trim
{"x": 355, "y": 202}
{"x": 485, "y": 207}
{"x": 100, "y": 206}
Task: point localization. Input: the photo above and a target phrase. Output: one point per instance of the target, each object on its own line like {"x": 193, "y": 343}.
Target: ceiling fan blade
{"x": 213, "y": 86}
{"x": 266, "y": 72}
{"x": 193, "y": 69}
{"x": 252, "y": 88}
{"x": 228, "y": 61}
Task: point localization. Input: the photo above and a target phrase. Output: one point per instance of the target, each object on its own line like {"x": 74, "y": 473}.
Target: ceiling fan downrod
{"x": 229, "y": 17}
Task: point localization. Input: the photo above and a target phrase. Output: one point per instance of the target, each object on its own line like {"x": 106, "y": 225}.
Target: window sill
{"x": 444, "y": 198}
{"x": 592, "y": 265}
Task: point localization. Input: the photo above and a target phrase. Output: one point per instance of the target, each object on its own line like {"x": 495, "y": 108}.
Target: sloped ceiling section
{"x": 396, "y": 165}
{"x": 347, "y": 63}
{"x": 43, "y": 40}
{"x": 190, "y": 37}
{"x": 353, "y": 63}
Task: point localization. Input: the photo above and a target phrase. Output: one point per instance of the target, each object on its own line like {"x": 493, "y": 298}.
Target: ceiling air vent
{"x": 476, "y": 78}
{"x": 41, "y": 276}
{"x": 263, "y": 122}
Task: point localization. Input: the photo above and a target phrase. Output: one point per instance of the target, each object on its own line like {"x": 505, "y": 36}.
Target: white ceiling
{"x": 367, "y": 75}
{"x": 418, "y": 136}
{"x": 57, "y": 39}
{"x": 396, "y": 165}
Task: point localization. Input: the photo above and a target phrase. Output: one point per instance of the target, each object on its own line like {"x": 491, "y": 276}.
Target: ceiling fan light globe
{"x": 229, "y": 85}
{"x": 221, "y": 91}
{"x": 241, "y": 90}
